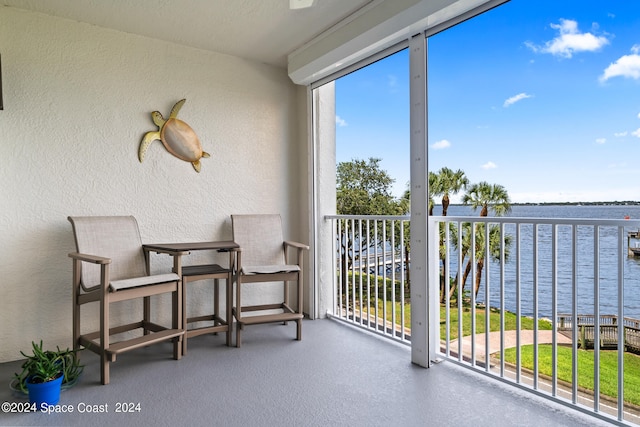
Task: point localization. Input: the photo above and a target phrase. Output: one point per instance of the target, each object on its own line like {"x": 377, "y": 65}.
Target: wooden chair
{"x": 262, "y": 258}
{"x": 110, "y": 266}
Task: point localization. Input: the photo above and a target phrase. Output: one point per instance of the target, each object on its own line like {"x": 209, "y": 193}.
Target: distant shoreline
{"x": 616, "y": 203}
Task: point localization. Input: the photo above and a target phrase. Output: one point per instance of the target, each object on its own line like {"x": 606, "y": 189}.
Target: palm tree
{"x": 445, "y": 183}
{"x": 487, "y": 197}
{"x": 434, "y": 190}
{"x": 480, "y": 247}
{"x": 448, "y": 183}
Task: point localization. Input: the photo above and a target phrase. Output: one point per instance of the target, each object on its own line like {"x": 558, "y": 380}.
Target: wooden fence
{"x": 608, "y": 327}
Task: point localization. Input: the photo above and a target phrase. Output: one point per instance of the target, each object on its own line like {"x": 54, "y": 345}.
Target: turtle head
{"x": 157, "y": 118}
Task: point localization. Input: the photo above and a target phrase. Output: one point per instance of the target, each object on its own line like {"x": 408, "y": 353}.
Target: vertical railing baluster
{"x": 403, "y": 268}
{"x": 345, "y": 272}
{"x": 554, "y": 310}
{"x": 487, "y": 305}
{"x": 535, "y": 231}
{"x": 473, "y": 294}
{"x": 354, "y": 303}
{"x": 360, "y": 240}
{"x": 337, "y": 291}
{"x": 574, "y": 319}
{"x": 460, "y": 293}
{"x": 502, "y": 291}
{"x": 621, "y": 323}
{"x": 518, "y": 321}
{"x": 596, "y": 318}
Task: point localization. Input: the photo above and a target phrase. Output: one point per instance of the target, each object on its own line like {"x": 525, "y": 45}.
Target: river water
{"x": 607, "y": 270}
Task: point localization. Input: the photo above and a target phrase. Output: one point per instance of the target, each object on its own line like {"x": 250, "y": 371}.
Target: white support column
{"x": 420, "y": 327}
{"x": 323, "y": 152}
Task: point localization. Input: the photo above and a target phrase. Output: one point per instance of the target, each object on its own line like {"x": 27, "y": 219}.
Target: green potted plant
{"x": 45, "y": 373}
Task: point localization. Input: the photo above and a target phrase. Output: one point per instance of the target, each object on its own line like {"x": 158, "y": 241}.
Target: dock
{"x": 387, "y": 260}
{"x": 608, "y": 331}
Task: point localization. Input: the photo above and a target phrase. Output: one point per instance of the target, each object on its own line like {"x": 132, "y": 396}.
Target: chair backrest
{"x": 260, "y": 237}
{"x": 115, "y": 237}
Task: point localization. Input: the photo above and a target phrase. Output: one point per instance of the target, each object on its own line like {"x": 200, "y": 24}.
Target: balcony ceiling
{"x": 261, "y": 30}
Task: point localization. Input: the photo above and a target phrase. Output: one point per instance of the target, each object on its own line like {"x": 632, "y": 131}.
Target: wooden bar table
{"x": 192, "y": 273}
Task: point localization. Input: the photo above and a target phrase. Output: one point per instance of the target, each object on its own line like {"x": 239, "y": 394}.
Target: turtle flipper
{"x": 148, "y": 138}
{"x": 176, "y": 108}
{"x": 157, "y": 118}
{"x": 205, "y": 154}
{"x": 196, "y": 165}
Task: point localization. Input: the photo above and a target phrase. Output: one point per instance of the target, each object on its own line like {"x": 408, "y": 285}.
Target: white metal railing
{"x": 371, "y": 283}
{"x": 541, "y": 267}
{"x": 537, "y": 273}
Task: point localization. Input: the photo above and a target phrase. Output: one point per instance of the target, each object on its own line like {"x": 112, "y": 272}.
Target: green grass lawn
{"x": 608, "y": 369}
{"x": 494, "y": 319}
{"x": 608, "y": 359}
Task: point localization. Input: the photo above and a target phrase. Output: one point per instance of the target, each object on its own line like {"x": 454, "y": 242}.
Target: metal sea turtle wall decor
{"x": 176, "y": 136}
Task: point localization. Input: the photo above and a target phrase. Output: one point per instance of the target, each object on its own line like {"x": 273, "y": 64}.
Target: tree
{"x": 363, "y": 188}
{"x": 433, "y": 191}
{"x": 448, "y": 183}
{"x": 487, "y": 197}
{"x": 444, "y": 183}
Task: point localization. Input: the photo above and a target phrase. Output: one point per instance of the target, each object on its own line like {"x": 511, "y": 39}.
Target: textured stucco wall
{"x": 77, "y": 100}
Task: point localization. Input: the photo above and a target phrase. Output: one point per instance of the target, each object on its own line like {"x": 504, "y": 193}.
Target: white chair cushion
{"x": 117, "y": 285}
{"x": 269, "y": 269}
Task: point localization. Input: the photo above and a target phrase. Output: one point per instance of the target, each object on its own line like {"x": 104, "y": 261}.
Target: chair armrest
{"x": 94, "y": 259}
{"x": 296, "y": 245}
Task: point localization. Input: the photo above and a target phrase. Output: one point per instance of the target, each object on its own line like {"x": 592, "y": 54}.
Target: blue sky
{"x": 542, "y": 97}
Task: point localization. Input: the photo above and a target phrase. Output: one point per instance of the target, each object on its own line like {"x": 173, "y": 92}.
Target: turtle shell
{"x": 180, "y": 140}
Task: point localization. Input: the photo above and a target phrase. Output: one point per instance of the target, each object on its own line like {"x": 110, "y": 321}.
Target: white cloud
{"x": 441, "y": 145}
{"x": 340, "y": 121}
{"x": 625, "y": 66}
{"x": 569, "y": 41}
{"x": 621, "y": 134}
{"x": 516, "y": 98}
{"x": 639, "y": 115}
{"x": 636, "y": 133}
{"x": 489, "y": 165}
{"x": 601, "y": 140}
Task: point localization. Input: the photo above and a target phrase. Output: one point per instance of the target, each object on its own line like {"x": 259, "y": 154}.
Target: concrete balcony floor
{"x": 336, "y": 375}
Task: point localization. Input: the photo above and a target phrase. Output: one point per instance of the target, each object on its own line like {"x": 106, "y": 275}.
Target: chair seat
{"x": 269, "y": 269}
{"x": 117, "y": 285}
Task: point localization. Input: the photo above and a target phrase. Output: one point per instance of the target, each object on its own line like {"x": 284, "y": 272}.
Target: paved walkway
{"x": 510, "y": 340}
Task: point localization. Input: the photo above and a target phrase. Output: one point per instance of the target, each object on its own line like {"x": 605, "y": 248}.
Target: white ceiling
{"x": 260, "y": 30}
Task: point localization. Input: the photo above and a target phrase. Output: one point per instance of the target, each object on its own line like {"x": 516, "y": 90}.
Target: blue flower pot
{"x": 48, "y": 392}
